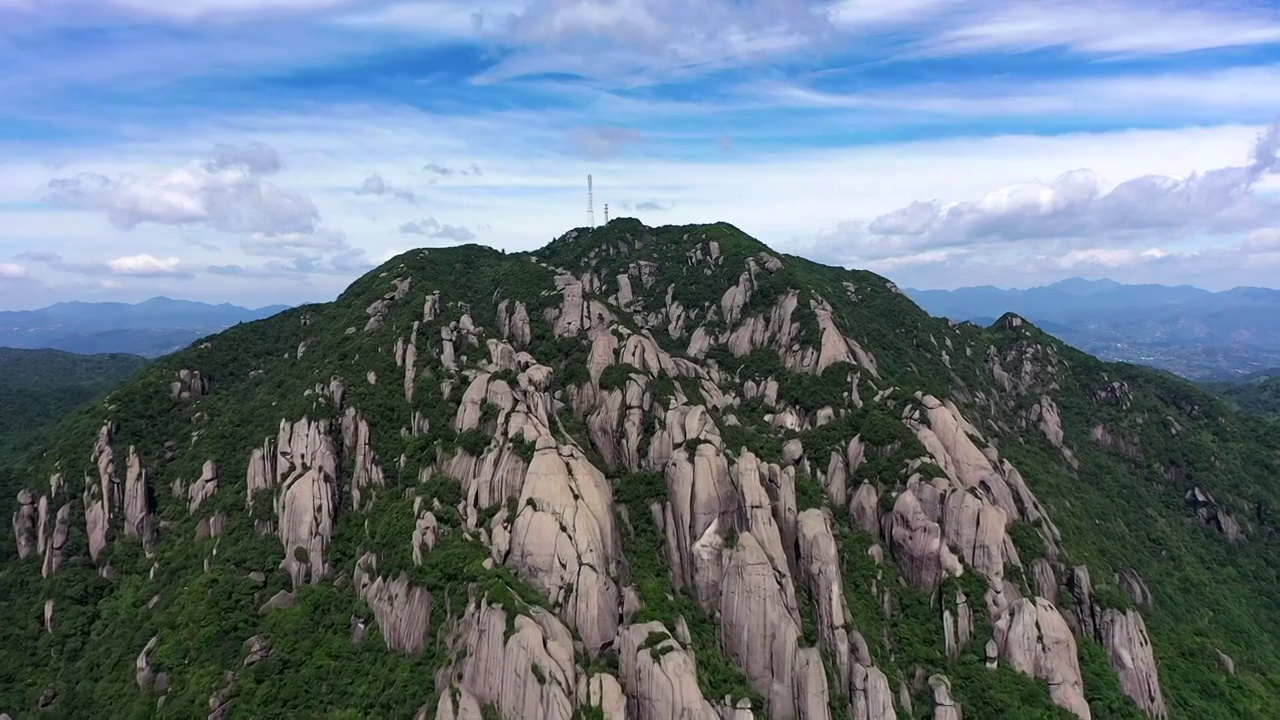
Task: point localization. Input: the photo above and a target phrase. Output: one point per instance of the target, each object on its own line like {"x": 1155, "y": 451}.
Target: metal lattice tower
{"x": 606, "y": 213}
{"x": 591, "y": 211}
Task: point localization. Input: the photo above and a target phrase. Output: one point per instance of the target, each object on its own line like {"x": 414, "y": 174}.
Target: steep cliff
{"x": 641, "y": 473}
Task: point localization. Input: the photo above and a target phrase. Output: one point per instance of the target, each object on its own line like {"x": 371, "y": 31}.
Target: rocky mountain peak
{"x": 641, "y": 472}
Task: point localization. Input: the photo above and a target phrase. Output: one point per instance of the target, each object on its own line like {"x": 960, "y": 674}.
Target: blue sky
{"x": 266, "y": 151}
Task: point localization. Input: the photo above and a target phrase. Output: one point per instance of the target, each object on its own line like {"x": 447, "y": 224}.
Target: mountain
{"x": 38, "y": 387}
{"x": 1186, "y": 330}
{"x": 641, "y": 473}
{"x": 151, "y": 328}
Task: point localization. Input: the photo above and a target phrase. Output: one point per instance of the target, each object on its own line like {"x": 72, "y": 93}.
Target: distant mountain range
{"x": 1187, "y": 330}
{"x": 151, "y": 328}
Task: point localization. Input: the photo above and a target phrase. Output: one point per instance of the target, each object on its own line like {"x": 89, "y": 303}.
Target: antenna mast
{"x": 606, "y": 213}
{"x": 591, "y": 211}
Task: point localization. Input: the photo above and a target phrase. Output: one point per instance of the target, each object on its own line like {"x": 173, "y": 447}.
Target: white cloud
{"x": 12, "y": 270}
{"x": 1075, "y": 206}
{"x": 227, "y": 192}
{"x": 529, "y": 193}
{"x": 638, "y": 41}
{"x": 144, "y": 265}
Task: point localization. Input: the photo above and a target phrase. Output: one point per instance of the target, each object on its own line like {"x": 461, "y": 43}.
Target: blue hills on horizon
{"x": 1188, "y": 330}
{"x": 150, "y": 328}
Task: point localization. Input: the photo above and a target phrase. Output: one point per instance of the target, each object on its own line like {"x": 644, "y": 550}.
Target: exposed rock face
{"x": 504, "y": 670}
{"x": 819, "y": 567}
{"x": 143, "y": 672}
{"x": 204, "y": 487}
{"x": 24, "y": 524}
{"x": 403, "y": 611}
{"x": 564, "y": 542}
{"x": 759, "y": 623}
{"x": 368, "y": 473}
{"x": 661, "y": 680}
{"x": 872, "y": 698}
{"x": 701, "y": 498}
{"x": 103, "y": 493}
{"x": 53, "y": 539}
{"x": 1132, "y": 582}
{"x": 189, "y": 384}
{"x": 977, "y": 529}
{"x": 1207, "y": 509}
{"x": 811, "y": 698}
{"x": 137, "y": 498}
{"x": 916, "y": 540}
{"x": 864, "y": 508}
{"x": 257, "y": 649}
{"x": 305, "y": 469}
{"x": 944, "y": 705}
{"x": 1124, "y": 634}
{"x": 1035, "y": 640}
{"x": 1226, "y": 662}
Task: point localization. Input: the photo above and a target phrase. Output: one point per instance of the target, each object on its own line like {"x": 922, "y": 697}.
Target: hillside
{"x": 38, "y": 387}
{"x": 150, "y": 328}
{"x": 1186, "y": 330}
{"x": 1257, "y": 393}
{"x": 641, "y": 473}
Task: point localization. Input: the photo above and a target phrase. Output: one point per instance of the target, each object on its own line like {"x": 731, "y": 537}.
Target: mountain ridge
{"x": 1191, "y": 331}
{"x": 642, "y": 472}
{"x": 149, "y": 328}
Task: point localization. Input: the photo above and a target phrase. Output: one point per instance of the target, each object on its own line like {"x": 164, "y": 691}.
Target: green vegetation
{"x": 39, "y": 387}
{"x": 1118, "y": 508}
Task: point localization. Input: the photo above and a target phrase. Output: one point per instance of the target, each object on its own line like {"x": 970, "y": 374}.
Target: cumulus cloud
{"x": 433, "y": 229}
{"x": 375, "y": 184}
{"x": 1076, "y": 207}
{"x": 227, "y": 192}
{"x": 603, "y": 142}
